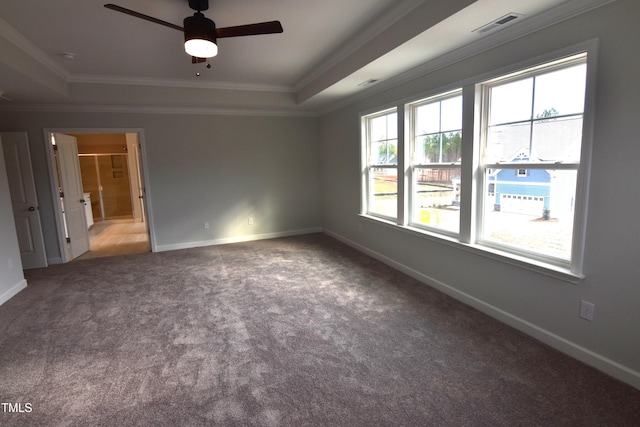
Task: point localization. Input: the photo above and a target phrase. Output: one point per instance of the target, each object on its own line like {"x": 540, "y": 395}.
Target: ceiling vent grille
{"x": 367, "y": 82}
{"x": 501, "y": 22}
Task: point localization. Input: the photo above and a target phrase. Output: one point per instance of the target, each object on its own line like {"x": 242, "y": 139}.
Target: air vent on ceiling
{"x": 498, "y": 23}
{"x": 367, "y": 82}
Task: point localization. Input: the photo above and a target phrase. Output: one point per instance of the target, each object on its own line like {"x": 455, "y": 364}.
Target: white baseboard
{"x": 238, "y": 239}
{"x": 13, "y": 291}
{"x": 564, "y": 345}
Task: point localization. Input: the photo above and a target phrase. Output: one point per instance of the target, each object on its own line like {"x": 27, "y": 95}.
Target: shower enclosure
{"x": 106, "y": 177}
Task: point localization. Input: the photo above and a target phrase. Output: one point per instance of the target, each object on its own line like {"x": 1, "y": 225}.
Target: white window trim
{"x": 411, "y": 166}
{"x": 366, "y": 166}
{"x": 575, "y": 266}
{"x": 472, "y": 183}
{"x": 484, "y": 89}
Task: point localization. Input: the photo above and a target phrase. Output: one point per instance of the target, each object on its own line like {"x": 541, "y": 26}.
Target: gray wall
{"x": 538, "y": 304}
{"x": 214, "y": 168}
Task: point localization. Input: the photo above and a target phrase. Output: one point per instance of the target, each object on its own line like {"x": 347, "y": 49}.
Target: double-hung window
{"x": 514, "y": 186}
{"x": 381, "y": 164}
{"x": 531, "y": 140}
{"x": 436, "y": 155}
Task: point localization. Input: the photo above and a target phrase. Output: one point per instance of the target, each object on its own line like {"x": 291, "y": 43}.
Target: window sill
{"x": 536, "y": 266}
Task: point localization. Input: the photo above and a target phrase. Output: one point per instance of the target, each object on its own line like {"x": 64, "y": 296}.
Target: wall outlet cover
{"x": 587, "y": 310}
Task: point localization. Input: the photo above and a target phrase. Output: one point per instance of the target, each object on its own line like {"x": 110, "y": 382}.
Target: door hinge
{"x": 55, "y": 148}
{"x": 68, "y": 240}
{"x": 62, "y": 194}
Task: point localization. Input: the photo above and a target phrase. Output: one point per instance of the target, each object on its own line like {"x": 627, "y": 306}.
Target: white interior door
{"x": 133, "y": 158}
{"x": 71, "y": 183}
{"x": 24, "y": 200}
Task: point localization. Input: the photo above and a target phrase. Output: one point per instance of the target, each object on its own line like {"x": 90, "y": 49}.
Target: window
{"x": 514, "y": 185}
{"x": 533, "y": 117}
{"x": 381, "y": 164}
{"x": 436, "y": 154}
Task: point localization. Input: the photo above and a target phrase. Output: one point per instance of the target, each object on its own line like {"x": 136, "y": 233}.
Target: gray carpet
{"x": 299, "y": 331}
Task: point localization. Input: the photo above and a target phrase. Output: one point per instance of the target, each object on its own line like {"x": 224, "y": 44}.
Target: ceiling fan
{"x": 200, "y": 33}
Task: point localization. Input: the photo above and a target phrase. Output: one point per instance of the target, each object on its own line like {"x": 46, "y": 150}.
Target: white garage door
{"x": 515, "y": 203}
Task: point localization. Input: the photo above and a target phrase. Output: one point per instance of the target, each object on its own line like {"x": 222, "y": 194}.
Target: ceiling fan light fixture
{"x": 200, "y": 33}
{"x": 201, "y": 48}
{"x": 200, "y": 36}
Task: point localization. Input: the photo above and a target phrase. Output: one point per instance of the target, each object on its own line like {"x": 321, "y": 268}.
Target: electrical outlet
{"x": 250, "y": 220}
{"x": 206, "y": 225}
{"x": 587, "y": 309}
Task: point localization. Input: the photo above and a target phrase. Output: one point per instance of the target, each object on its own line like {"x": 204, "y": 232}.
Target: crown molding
{"x": 379, "y": 24}
{"x": 376, "y": 27}
{"x": 119, "y": 109}
{"x": 528, "y": 26}
{"x": 10, "y": 34}
{"x": 399, "y": 9}
{"x": 14, "y": 37}
{"x": 176, "y": 83}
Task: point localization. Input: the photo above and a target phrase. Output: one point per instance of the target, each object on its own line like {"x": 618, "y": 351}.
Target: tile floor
{"x": 116, "y": 237}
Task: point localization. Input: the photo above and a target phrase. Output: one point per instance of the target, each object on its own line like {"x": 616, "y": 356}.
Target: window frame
{"x": 484, "y": 88}
{"x": 368, "y": 167}
{"x": 472, "y": 168}
{"x": 410, "y": 111}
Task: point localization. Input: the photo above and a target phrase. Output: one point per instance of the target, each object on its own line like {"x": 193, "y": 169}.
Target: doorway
{"x": 110, "y": 174}
{"x": 26, "y": 211}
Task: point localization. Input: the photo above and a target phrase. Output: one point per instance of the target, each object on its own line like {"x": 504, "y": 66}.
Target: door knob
{"x": 31, "y": 209}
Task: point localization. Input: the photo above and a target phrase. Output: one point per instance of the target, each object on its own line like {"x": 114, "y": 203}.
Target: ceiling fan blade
{"x": 143, "y": 16}
{"x": 271, "y": 27}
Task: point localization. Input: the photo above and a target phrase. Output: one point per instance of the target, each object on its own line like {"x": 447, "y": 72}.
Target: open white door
{"x": 73, "y": 199}
{"x": 135, "y": 181}
{"x": 24, "y": 200}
